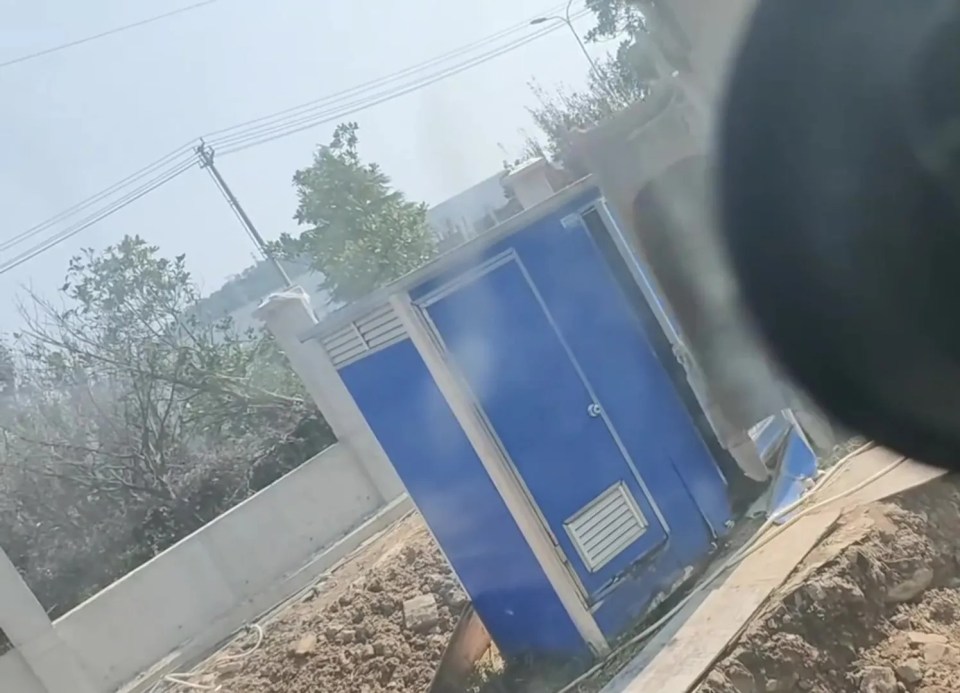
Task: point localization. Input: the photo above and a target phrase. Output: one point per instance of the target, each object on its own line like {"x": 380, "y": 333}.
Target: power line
{"x": 321, "y": 112}
{"x": 264, "y": 121}
{"x": 460, "y": 50}
{"x": 108, "y": 32}
{"x": 267, "y": 128}
{"x": 234, "y": 133}
{"x": 167, "y": 162}
{"x": 94, "y": 218}
{"x": 264, "y": 134}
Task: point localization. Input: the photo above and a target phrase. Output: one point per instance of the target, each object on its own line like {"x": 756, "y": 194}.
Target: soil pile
{"x": 881, "y": 616}
{"x": 353, "y": 638}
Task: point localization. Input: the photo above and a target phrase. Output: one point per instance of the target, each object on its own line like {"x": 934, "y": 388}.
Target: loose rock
{"x": 912, "y": 587}
{"x": 306, "y": 645}
{"x": 878, "y": 680}
{"x": 314, "y": 645}
{"x": 420, "y": 614}
{"x": 917, "y": 638}
{"x": 933, "y": 652}
{"x": 911, "y": 671}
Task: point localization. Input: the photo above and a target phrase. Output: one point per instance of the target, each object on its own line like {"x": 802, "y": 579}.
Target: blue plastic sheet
{"x": 799, "y": 464}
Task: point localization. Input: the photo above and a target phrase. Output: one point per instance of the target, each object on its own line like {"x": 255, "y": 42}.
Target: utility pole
{"x": 206, "y": 161}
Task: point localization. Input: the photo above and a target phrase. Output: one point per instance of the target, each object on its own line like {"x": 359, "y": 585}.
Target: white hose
{"x": 246, "y": 653}
{"x": 172, "y": 678}
{"x": 757, "y": 542}
{"x": 180, "y": 678}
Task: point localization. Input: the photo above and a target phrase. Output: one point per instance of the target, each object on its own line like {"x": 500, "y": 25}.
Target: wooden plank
{"x": 678, "y": 661}
{"x": 908, "y": 475}
{"x": 469, "y": 642}
{"x": 692, "y": 651}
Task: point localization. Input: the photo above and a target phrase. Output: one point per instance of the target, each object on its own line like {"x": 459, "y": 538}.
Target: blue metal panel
{"x": 631, "y": 383}
{"x": 637, "y": 391}
{"x": 634, "y": 387}
{"x": 460, "y": 503}
{"x": 636, "y": 595}
{"x": 518, "y": 369}
{"x": 549, "y": 223}
{"x": 593, "y": 315}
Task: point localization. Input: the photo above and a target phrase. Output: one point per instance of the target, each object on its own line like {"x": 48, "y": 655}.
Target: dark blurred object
{"x": 839, "y": 184}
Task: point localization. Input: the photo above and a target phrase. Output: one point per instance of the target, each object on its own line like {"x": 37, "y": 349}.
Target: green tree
{"x": 616, "y": 18}
{"x": 359, "y": 232}
{"x": 132, "y": 421}
{"x": 131, "y": 380}
{"x": 8, "y": 373}
{"x": 652, "y": 46}
{"x": 129, "y": 313}
{"x": 649, "y": 23}
{"x": 614, "y": 86}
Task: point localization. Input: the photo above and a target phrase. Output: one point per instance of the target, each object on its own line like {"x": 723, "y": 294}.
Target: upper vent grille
{"x": 379, "y": 328}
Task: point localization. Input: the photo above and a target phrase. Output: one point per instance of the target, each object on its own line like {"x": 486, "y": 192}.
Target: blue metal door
{"x": 502, "y": 339}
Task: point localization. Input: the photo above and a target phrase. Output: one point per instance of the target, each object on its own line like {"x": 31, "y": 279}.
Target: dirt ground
{"x": 874, "y": 608}
{"x": 348, "y": 635}
{"x": 879, "y": 615}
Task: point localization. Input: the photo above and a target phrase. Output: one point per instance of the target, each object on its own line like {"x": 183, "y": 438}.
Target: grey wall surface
{"x": 15, "y": 675}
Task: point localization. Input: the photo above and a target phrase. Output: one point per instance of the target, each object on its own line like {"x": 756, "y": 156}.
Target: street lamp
{"x": 566, "y": 20}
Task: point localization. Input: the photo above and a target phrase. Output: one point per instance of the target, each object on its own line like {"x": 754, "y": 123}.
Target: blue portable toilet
{"x": 525, "y": 393}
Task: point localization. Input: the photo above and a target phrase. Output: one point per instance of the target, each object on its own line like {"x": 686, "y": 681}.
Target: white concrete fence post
{"x": 30, "y": 631}
{"x": 288, "y": 315}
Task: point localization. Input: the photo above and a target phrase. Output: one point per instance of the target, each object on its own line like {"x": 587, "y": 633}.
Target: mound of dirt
{"x": 880, "y": 616}
{"x": 357, "y": 642}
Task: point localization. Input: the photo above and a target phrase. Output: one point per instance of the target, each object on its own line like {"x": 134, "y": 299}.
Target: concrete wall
{"x": 289, "y": 315}
{"x": 16, "y": 676}
{"x": 206, "y": 586}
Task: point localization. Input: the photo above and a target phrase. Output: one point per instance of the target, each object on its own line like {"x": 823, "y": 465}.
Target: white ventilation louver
{"x": 379, "y": 328}
{"x": 344, "y": 345}
{"x": 606, "y": 526}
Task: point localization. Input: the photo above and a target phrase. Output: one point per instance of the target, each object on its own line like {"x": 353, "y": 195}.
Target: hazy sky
{"x": 74, "y": 122}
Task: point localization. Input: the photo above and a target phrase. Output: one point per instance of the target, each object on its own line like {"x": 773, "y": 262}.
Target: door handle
{"x": 593, "y": 409}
